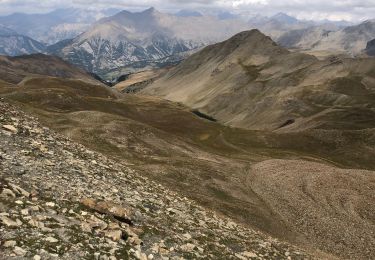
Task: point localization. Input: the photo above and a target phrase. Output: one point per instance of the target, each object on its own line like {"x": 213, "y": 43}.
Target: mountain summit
{"x": 250, "y": 82}
{"x": 284, "y": 18}
{"x": 13, "y": 44}
{"x": 138, "y": 39}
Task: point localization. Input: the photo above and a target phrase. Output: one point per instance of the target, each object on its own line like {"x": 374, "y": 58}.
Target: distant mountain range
{"x": 13, "y": 44}
{"x": 284, "y": 28}
{"x": 145, "y": 37}
{"x": 55, "y": 26}
{"x": 188, "y": 13}
{"x": 306, "y": 38}
{"x": 351, "y": 39}
{"x": 126, "y": 42}
{"x": 275, "y": 26}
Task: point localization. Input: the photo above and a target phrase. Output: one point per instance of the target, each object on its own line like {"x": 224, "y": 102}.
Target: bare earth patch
{"x": 333, "y": 208}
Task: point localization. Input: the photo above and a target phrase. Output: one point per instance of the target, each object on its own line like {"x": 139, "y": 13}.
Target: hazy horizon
{"x": 351, "y": 10}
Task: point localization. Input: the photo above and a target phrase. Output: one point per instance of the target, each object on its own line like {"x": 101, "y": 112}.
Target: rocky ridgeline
{"x": 60, "y": 200}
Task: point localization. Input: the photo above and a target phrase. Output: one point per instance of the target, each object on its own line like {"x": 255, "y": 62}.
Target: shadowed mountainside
{"x": 15, "y": 69}
{"x": 135, "y": 82}
{"x": 370, "y": 48}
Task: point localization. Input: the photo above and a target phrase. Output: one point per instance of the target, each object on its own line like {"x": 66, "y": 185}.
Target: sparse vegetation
{"x": 207, "y": 117}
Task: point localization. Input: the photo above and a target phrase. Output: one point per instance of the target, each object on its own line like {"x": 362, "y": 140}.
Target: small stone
{"x": 35, "y": 223}
{"x": 19, "y": 251}
{"x": 135, "y": 241}
{"x": 105, "y": 207}
{"x": 10, "y": 243}
{"x": 86, "y": 227}
{"x": 25, "y": 212}
{"x": 140, "y": 255}
{"x": 249, "y": 254}
{"x": 19, "y": 202}
{"x": 50, "y": 204}
{"x": 98, "y": 223}
{"x": 150, "y": 256}
{"x": 34, "y": 208}
{"x": 240, "y": 256}
{"x": 113, "y": 226}
{"x": 10, "y": 128}
{"x": 34, "y": 194}
{"x": 20, "y": 190}
{"x": 187, "y": 247}
{"x": 37, "y": 257}
{"x": 9, "y": 222}
{"x": 115, "y": 235}
{"x": 96, "y": 255}
{"x": 51, "y": 240}
{"x": 7, "y": 193}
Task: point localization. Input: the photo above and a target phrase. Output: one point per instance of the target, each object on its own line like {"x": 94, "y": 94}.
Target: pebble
{"x": 50, "y": 204}
{"x": 19, "y": 251}
{"x": 9, "y": 222}
{"x": 10, "y": 128}
{"x": 10, "y": 243}
{"x": 51, "y": 239}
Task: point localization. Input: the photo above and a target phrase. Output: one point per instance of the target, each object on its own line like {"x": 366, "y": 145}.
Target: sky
{"x": 350, "y": 10}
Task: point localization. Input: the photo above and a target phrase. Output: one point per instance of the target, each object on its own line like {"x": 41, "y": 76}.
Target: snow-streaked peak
{"x": 145, "y": 36}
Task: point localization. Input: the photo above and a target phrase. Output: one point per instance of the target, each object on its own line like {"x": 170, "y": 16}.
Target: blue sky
{"x": 353, "y": 10}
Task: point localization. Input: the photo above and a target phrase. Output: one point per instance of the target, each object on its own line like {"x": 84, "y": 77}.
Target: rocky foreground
{"x": 61, "y": 200}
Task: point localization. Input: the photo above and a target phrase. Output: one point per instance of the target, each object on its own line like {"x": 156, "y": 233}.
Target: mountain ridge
{"x": 15, "y": 69}
{"x": 249, "y": 81}
{"x": 350, "y": 40}
{"x": 13, "y": 44}
{"x": 52, "y": 27}
{"x": 144, "y": 37}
